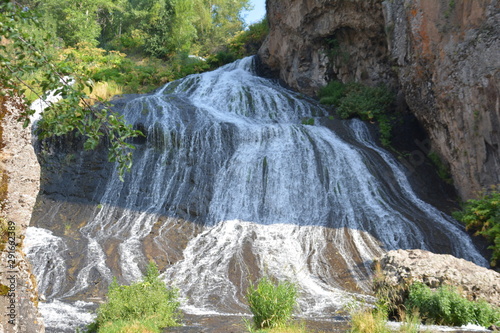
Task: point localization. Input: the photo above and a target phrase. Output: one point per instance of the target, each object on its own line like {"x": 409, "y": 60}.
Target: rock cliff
{"x": 20, "y": 176}
{"x": 441, "y": 55}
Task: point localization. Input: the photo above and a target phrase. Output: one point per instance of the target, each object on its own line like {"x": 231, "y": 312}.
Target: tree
{"x": 74, "y": 21}
{"x": 22, "y": 55}
{"x": 217, "y": 21}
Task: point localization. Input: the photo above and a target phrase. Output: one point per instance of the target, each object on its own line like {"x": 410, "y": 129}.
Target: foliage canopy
{"x": 25, "y": 56}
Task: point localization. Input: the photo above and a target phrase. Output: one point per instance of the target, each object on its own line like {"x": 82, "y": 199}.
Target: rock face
{"x": 447, "y": 54}
{"x": 401, "y": 267}
{"x": 20, "y": 184}
{"x": 441, "y": 55}
{"x": 313, "y": 41}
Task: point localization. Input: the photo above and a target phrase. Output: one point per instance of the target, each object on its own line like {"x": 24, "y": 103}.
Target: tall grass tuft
{"x": 271, "y": 303}
{"x": 366, "y": 320}
{"x": 145, "y": 305}
{"x": 104, "y": 90}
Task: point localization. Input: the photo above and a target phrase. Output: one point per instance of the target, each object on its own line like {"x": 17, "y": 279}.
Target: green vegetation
{"x": 90, "y": 50}
{"x": 28, "y": 62}
{"x": 367, "y": 320}
{"x": 271, "y": 303}
{"x": 413, "y": 302}
{"x": 374, "y": 320}
{"x": 444, "y": 306}
{"x": 243, "y": 44}
{"x": 483, "y": 217}
{"x": 145, "y": 306}
{"x": 308, "y": 121}
{"x": 249, "y": 41}
{"x": 447, "y": 307}
{"x": 357, "y": 100}
{"x": 289, "y": 328}
{"x": 159, "y": 28}
{"x": 442, "y": 170}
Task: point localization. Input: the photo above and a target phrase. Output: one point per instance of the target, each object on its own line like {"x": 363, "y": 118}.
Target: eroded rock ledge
{"x": 401, "y": 267}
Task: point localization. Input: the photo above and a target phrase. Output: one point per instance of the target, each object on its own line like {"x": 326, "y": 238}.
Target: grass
{"x": 289, "y": 328}
{"x": 374, "y": 320}
{"x": 135, "y": 326}
{"x": 368, "y": 321}
{"x": 271, "y": 303}
{"x": 104, "y": 90}
{"x": 144, "y": 306}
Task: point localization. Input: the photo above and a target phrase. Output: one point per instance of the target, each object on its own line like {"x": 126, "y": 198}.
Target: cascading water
{"x": 230, "y": 185}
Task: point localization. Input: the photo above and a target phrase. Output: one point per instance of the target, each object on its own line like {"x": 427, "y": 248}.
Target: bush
{"x": 357, "y": 100}
{"x": 271, "y": 303}
{"x": 447, "y": 307}
{"x": 483, "y": 216}
{"x": 147, "y": 303}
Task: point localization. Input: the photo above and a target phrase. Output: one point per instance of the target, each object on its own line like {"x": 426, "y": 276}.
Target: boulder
{"x": 399, "y": 268}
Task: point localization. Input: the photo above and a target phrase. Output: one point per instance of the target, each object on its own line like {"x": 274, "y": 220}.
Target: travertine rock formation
{"x": 401, "y": 267}
{"x": 443, "y": 56}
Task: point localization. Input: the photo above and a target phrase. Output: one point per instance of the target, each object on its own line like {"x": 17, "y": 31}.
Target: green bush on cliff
{"x": 483, "y": 217}
{"x": 357, "y": 100}
{"x": 148, "y": 304}
{"x": 271, "y": 303}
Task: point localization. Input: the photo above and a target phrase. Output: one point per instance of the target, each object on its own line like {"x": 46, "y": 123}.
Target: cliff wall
{"x": 19, "y": 185}
{"x": 443, "y": 56}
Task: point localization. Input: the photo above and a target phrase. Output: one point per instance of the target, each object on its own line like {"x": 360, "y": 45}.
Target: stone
{"x": 402, "y": 267}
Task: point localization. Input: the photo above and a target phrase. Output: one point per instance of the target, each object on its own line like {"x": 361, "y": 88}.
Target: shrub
{"x": 333, "y": 93}
{"x": 271, "y": 303}
{"x": 446, "y": 306}
{"x": 148, "y": 303}
{"x": 357, "y": 100}
{"x": 483, "y": 216}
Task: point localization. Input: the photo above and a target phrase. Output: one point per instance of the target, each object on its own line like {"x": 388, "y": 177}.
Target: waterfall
{"x": 229, "y": 185}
